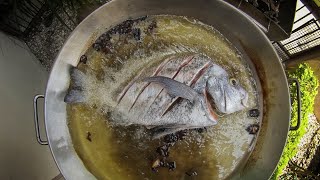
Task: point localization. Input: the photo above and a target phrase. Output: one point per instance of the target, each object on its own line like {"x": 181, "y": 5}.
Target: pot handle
{"x": 294, "y": 80}
{"x": 36, "y": 119}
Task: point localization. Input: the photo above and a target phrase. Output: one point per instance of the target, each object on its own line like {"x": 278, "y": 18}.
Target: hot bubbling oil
{"x": 114, "y": 152}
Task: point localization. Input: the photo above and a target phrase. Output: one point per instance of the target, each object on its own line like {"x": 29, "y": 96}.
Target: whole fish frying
{"x": 183, "y": 92}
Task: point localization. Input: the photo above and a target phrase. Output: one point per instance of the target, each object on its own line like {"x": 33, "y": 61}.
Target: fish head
{"x": 227, "y": 93}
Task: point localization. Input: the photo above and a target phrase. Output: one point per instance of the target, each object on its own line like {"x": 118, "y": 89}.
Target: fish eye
{"x": 233, "y": 81}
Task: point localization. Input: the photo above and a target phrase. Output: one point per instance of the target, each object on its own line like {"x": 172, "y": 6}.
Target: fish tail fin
{"x": 74, "y": 96}
{"x": 75, "y": 93}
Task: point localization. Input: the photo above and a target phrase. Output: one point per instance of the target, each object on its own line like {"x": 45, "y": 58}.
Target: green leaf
{"x": 308, "y": 87}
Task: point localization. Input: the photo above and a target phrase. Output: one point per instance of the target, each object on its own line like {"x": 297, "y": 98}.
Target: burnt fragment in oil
{"x": 253, "y": 129}
{"x": 104, "y": 37}
{"x": 108, "y": 47}
{"x": 142, "y": 18}
{"x": 136, "y": 34}
{"x": 201, "y": 130}
{"x": 172, "y": 138}
{"x": 163, "y": 150}
{"x": 191, "y": 173}
{"x": 96, "y": 46}
{"x": 152, "y": 26}
{"x": 89, "y": 136}
{"x": 171, "y": 165}
{"x": 254, "y": 113}
{"x": 83, "y": 59}
{"x": 123, "y": 28}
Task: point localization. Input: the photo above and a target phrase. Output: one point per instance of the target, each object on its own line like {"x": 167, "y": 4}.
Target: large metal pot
{"x": 245, "y": 35}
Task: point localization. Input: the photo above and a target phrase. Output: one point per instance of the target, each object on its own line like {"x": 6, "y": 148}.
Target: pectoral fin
{"x": 173, "y": 87}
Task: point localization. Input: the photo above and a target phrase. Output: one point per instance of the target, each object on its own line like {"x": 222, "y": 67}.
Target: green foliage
{"x": 308, "y": 87}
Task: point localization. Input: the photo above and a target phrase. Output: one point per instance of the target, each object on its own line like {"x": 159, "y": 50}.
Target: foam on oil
{"x": 113, "y": 152}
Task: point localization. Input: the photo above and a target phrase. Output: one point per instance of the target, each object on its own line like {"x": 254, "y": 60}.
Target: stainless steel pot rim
{"x": 234, "y": 25}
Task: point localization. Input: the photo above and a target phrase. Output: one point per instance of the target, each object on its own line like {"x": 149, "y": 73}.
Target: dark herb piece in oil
{"x": 89, "y": 136}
